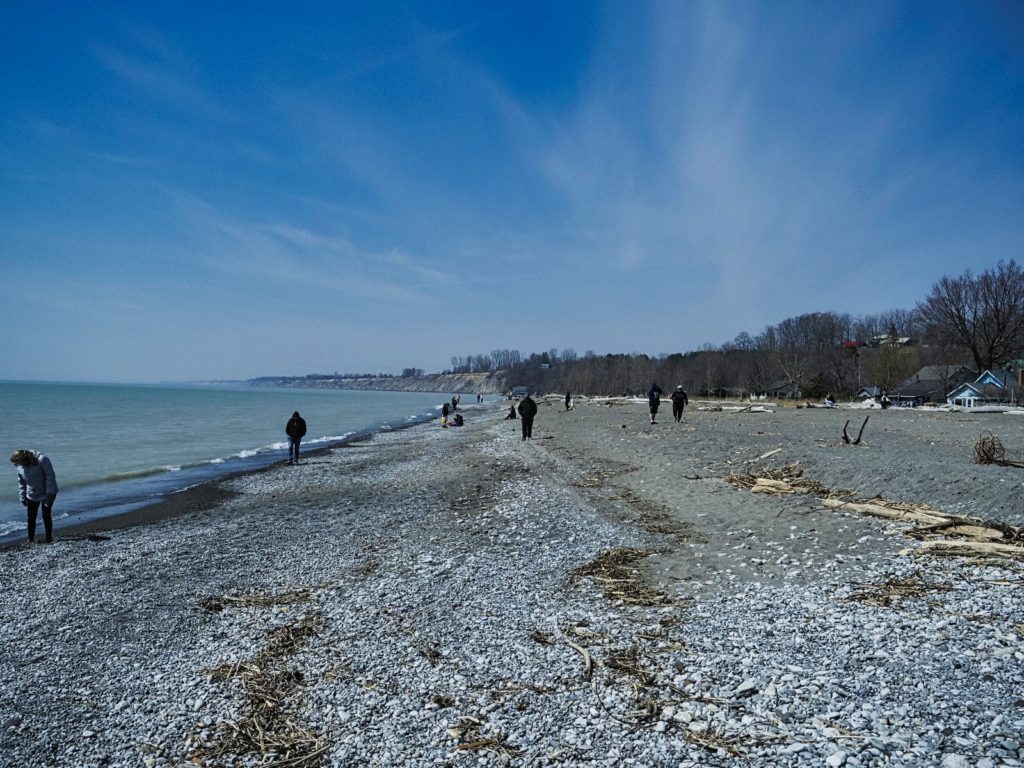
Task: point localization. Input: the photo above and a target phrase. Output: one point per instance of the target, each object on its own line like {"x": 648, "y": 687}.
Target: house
{"x": 930, "y": 384}
{"x": 519, "y": 392}
{"x": 991, "y": 387}
{"x": 869, "y": 393}
{"x": 784, "y": 390}
{"x": 889, "y": 340}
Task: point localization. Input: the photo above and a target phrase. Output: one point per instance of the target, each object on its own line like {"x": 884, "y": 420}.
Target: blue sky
{"x": 223, "y": 190}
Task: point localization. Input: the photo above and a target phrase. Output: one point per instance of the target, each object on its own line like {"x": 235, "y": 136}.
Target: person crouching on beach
{"x": 296, "y": 430}
{"x": 37, "y": 484}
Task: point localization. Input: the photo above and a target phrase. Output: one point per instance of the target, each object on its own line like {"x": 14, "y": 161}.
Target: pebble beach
{"x": 600, "y": 595}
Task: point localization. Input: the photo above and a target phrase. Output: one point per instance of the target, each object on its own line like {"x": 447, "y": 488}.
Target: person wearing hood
{"x": 679, "y": 403}
{"x": 296, "y": 430}
{"x": 37, "y": 486}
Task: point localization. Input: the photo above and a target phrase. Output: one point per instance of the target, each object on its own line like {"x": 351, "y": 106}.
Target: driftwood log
{"x": 846, "y": 437}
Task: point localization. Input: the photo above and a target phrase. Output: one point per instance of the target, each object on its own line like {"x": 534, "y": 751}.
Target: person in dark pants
{"x": 654, "y": 400}
{"x": 568, "y": 400}
{"x": 296, "y": 430}
{"x": 37, "y": 486}
{"x": 511, "y": 413}
{"x": 679, "y": 403}
{"x": 527, "y": 410}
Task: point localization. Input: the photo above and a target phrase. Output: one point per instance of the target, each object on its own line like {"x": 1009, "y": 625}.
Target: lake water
{"x": 117, "y": 447}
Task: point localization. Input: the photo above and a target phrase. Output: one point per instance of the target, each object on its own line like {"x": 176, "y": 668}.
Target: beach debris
{"x": 256, "y": 600}
{"x": 714, "y": 741}
{"x": 614, "y": 572}
{"x": 846, "y": 437}
{"x": 883, "y": 594}
{"x": 268, "y": 726}
{"x": 544, "y": 638}
{"x": 942, "y": 533}
{"x": 958, "y": 548}
{"x": 990, "y": 450}
{"x": 629, "y": 661}
{"x": 781, "y": 481}
{"x": 766, "y": 455}
{"x": 468, "y": 732}
{"x": 588, "y": 662}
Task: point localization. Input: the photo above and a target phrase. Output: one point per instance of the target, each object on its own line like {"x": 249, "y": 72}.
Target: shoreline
{"x": 464, "y": 597}
{"x": 200, "y": 496}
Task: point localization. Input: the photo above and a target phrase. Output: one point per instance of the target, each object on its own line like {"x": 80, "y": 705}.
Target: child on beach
{"x": 37, "y": 485}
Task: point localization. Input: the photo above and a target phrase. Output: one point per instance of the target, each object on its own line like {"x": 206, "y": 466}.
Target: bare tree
{"x": 984, "y": 314}
{"x": 888, "y": 365}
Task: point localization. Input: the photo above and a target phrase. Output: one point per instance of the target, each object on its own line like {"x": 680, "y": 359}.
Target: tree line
{"x": 973, "y": 320}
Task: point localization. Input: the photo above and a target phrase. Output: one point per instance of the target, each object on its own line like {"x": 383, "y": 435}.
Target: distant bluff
{"x": 493, "y": 383}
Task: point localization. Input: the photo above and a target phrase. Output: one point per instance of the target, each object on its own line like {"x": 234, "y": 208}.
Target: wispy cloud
{"x": 286, "y": 254}
{"x": 164, "y": 75}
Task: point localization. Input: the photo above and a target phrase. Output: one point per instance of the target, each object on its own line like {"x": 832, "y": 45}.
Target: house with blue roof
{"x": 1000, "y": 387}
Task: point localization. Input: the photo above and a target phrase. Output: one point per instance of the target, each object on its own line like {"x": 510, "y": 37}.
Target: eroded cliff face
{"x": 460, "y": 383}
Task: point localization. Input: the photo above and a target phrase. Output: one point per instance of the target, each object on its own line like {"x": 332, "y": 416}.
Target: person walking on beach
{"x": 444, "y": 414}
{"x": 679, "y": 403}
{"x": 568, "y": 400}
{"x": 37, "y": 486}
{"x": 527, "y": 410}
{"x": 296, "y": 430}
{"x": 654, "y": 400}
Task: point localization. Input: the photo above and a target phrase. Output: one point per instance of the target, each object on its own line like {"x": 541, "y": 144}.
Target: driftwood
{"x": 889, "y": 513}
{"x": 968, "y": 536}
{"x": 773, "y": 487}
{"x": 990, "y": 450}
{"x": 974, "y": 537}
{"x": 959, "y": 548}
{"x": 846, "y": 437}
{"x": 588, "y": 663}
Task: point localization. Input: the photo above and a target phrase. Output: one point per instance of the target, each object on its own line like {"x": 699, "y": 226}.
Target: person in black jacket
{"x": 679, "y": 402}
{"x": 296, "y": 430}
{"x": 654, "y": 400}
{"x": 527, "y": 410}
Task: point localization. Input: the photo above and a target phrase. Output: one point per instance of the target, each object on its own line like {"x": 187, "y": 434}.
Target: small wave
{"x": 138, "y": 473}
{"x": 327, "y": 439}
